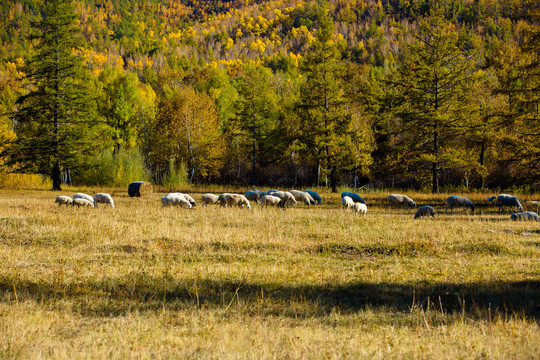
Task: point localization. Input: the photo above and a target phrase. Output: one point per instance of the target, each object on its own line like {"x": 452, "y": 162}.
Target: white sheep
{"x": 188, "y": 198}
{"x": 509, "y": 200}
{"x": 425, "y": 210}
{"x": 456, "y": 201}
{"x": 237, "y": 200}
{"x": 175, "y": 199}
{"x": 209, "y": 199}
{"x": 287, "y": 199}
{"x": 269, "y": 200}
{"x": 399, "y": 199}
{"x": 347, "y": 202}
{"x": 302, "y": 196}
{"x": 360, "y": 208}
{"x": 84, "y": 196}
{"x": 525, "y": 215}
{"x": 63, "y": 200}
{"x": 78, "y": 202}
{"x": 103, "y": 199}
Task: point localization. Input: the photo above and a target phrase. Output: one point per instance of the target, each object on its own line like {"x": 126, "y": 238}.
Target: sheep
{"x": 315, "y": 196}
{"x": 360, "y": 208}
{"x": 455, "y": 201}
{"x": 491, "y": 199}
{"x": 347, "y": 202}
{"x": 287, "y": 199}
{"x": 237, "y": 200}
{"x": 269, "y": 200}
{"x": 188, "y": 198}
{"x": 63, "y": 200}
{"x": 354, "y": 196}
{"x": 84, "y": 196}
{"x": 526, "y": 215}
{"x": 209, "y": 199}
{"x": 425, "y": 210}
{"x": 398, "y": 199}
{"x": 254, "y": 195}
{"x": 104, "y": 199}
{"x": 221, "y": 199}
{"x": 82, "y": 202}
{"x": 175, "y": 199}
{"x": 302, "y": 196}
{"x": 504, "y": 199}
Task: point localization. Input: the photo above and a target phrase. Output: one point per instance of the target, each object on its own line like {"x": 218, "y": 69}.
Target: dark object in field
{"x": 425, "y": 210}
{"x": 140, "y": 189}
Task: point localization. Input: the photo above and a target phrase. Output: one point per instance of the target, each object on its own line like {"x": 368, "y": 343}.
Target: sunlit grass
{"x": 314, "y": 282}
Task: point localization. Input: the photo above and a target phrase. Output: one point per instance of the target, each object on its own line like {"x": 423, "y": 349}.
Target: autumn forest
{"x": 420, "y": 94}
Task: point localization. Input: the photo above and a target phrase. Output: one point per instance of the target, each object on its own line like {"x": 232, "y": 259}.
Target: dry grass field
{"x": 142, "y": 281}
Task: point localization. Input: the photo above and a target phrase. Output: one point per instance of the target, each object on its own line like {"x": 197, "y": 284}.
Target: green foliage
{"x": 117, "y": 169}
{"x": 54, "y": 122}
{"x": 176, "y": 175}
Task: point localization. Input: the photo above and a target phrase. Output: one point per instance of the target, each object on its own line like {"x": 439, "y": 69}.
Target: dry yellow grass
{"x": 141, "y": 281}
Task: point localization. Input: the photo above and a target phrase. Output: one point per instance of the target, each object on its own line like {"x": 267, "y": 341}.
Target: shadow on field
{"x": 143, "y": 292}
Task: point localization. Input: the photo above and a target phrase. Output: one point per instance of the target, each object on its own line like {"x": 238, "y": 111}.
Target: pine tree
{"x": 324, "y": 122}
{"x": 432, "y": 87}
{"x": 53, "y": 123}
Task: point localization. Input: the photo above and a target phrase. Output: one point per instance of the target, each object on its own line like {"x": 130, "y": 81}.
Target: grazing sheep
{"x": 84, "y": 196}
{"x": 63, "y": 200}
{"x": 287, "y": 199}
{"x": 315, "y": 196}
{"x": 237, "y": 200}
{"x": 508, "y": 200}
{"x": 103, "y": 199}
{"x": 209, "y": 199}
{"x": 221, "y": 199}
{"x": 354, "y": 196}
{"x": 425, "y": 210}
{"x": 269, "y": 200}
{"x": 526, "y": 215}
{"x": 398, "y": 199}
{"x": 188, "y": 198}
{"x": 491, "y": 199}
{"x": 455, "y": 201}
{"x": 254, "y": 195}
{"x": 78, "y": 202}
{"x": 175, "y": 199}
{"x": 347, "y": 202}
{"x": 360, "y": 208}
{"x": 302, "y": 196}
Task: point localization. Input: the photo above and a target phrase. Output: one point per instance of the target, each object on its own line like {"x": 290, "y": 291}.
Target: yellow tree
{"x": 187, "y": 128}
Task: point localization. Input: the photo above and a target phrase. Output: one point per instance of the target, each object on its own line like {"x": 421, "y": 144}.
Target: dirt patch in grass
{"x": 379, "y": 249}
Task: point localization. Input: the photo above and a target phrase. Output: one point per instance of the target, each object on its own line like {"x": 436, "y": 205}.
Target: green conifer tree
{"x": 324, "y": 132}
{"x": 54, "y": 119}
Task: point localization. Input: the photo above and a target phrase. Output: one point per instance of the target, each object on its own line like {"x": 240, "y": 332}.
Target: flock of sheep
{"x": 283, "y": 199}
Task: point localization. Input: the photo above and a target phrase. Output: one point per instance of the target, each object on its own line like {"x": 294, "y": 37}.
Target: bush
{"x": 115, "y": 169}
{"x": 24, "y": 181}
{"x": 176, "y": 176}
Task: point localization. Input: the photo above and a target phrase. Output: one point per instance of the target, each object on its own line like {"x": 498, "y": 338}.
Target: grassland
{"x": 140, "y": 281}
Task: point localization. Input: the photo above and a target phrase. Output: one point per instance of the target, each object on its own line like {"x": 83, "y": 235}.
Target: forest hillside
{"x": 401, "y": 93}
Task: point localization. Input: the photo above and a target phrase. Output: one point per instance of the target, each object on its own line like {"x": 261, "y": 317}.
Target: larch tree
{"x": 431, "y": 91}
{"x": 55, "y": 117}
{"x": 324, "y": 135}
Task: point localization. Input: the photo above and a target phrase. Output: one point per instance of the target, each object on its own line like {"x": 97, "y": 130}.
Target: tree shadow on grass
{"x": 140, "y": 291}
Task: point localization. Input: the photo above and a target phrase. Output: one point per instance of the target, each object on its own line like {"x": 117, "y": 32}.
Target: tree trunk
{"x": 435, "y": 165}
{"x": 481, "y": 161}
{"x": 333, "y": 180}
{"x": 56, "y": 177}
